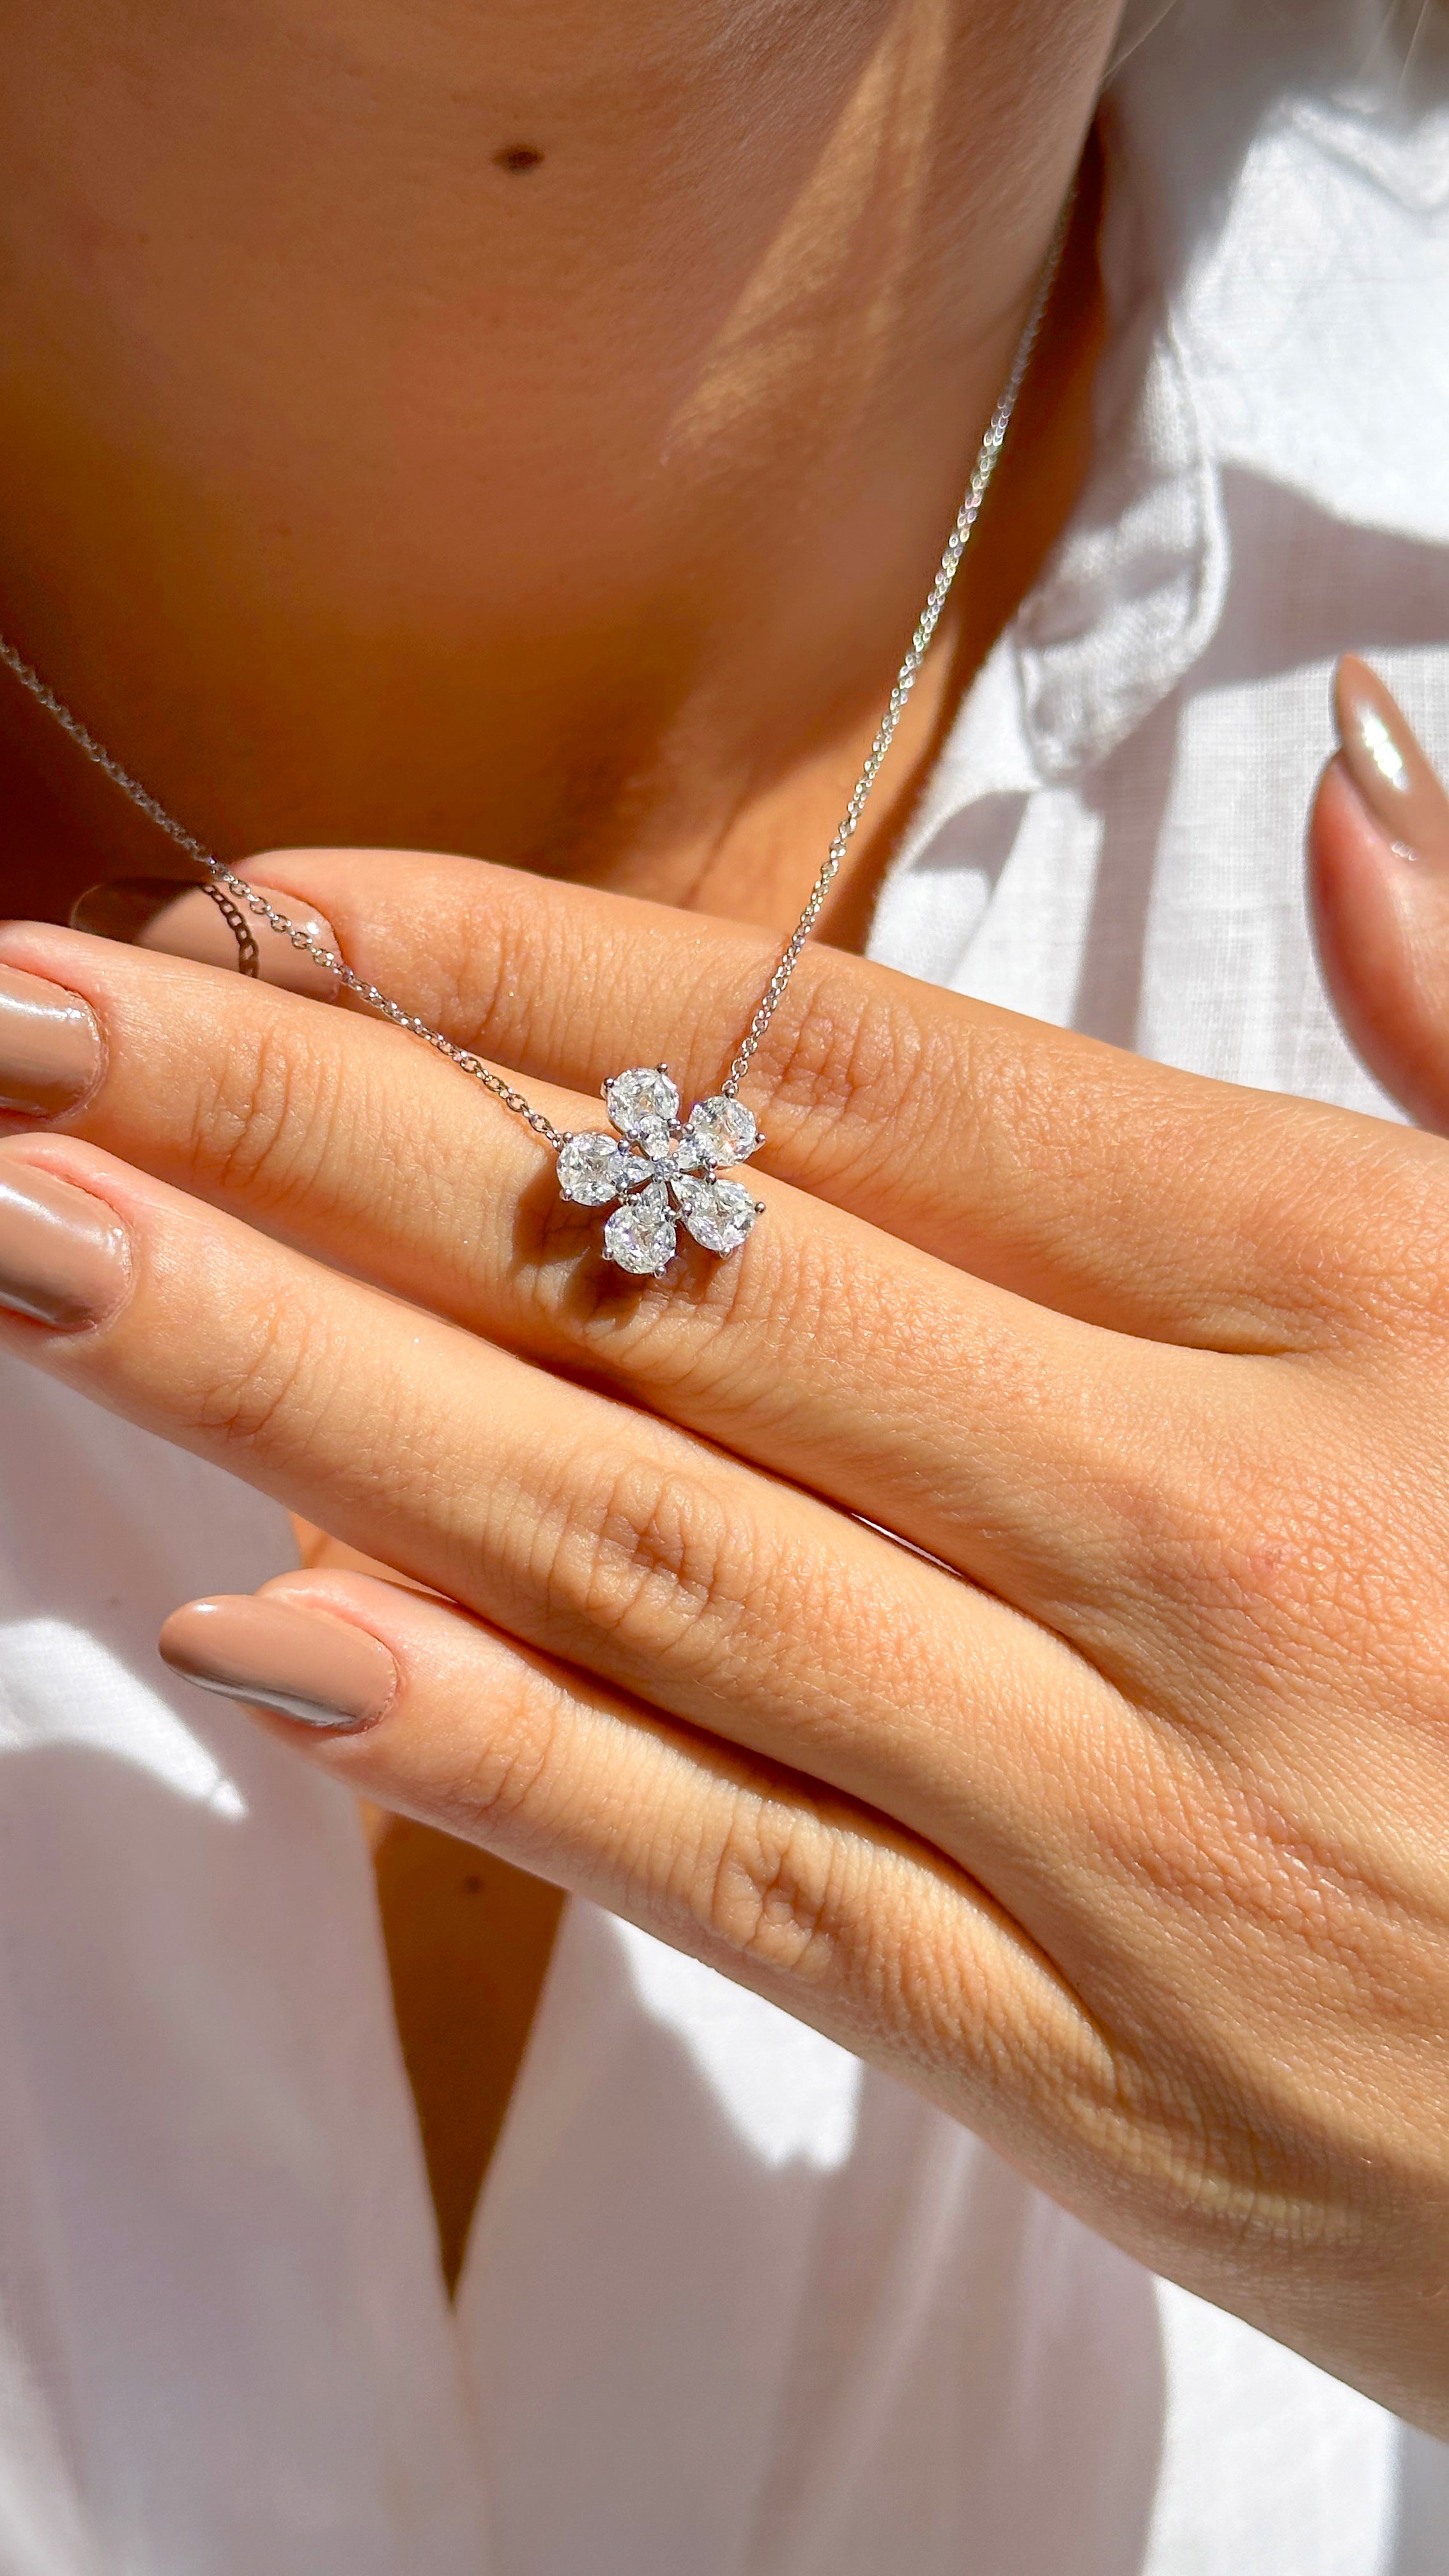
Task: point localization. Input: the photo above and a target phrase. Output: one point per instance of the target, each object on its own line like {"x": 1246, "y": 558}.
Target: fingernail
{"x": 64, "y": 1256}
{"x": 319, "y": 1670}
{"x": 1389, "y": 766}
{"x": 50, "y": 1046}
{"x": 184, "y": 921}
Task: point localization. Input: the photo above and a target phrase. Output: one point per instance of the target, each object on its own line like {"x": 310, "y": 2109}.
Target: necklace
{"x": 657, "y": 1171}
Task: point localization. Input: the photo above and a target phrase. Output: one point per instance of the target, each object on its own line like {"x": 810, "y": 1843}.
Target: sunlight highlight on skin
{"x": 850, "y": 237}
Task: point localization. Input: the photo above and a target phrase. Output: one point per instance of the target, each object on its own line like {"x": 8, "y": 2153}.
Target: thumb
{"x": 1378, "y": 859}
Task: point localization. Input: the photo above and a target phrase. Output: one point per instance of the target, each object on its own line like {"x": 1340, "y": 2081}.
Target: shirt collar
{"x": 1134, "y": 589}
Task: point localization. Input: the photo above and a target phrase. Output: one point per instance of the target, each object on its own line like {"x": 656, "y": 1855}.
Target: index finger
{"x": 1119, "y": 1191}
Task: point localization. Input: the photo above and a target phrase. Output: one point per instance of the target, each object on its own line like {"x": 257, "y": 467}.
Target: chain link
{"x": 248, "y": 959}
{"x": 235, "y": 897}
{"x": 905, "y": 679}
{"x": 233, "y": 892}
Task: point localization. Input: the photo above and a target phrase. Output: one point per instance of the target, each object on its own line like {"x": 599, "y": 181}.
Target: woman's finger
{"x": 1379, "y": 863}
{"x": 1063, "y": 1169}
{"x": 979, "y": 1426}
{"x": 179, "y": 918}
{"x": 582, "y": 1527}
{"x": 817, "y": 1903}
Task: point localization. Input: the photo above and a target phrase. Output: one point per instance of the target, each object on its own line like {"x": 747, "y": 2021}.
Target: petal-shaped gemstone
{"x": 719, "y": 1214}
{"x": 723, "y": 1129}
{"x": 640, "y": 1236}
{"x": 592, "y": 1169}
{"x": 643, "y": 1104}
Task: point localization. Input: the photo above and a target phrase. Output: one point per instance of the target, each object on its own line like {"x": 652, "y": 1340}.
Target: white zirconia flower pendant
{"x": 663, "y": 1174}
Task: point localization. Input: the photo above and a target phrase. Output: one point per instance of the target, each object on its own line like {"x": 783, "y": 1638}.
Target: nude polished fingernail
{"x": 1389, "y": 766}
{"x": 181, "y": 920}
{"x": 64, "y": 1256}
{"x": 305, "y": 1664}
{"x": 50, "y": 1046}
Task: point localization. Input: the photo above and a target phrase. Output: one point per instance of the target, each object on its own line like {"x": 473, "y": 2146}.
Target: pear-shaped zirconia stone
{"x": 723, "y": 1130}
{"x": 719, "y": 1214}
{"x": 591, "y": 1169}
{"x": 640, "y": 1236}
{"x": 643, "y": 1105}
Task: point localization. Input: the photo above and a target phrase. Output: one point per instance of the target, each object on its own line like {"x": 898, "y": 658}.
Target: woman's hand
{"x": 1112, "y": 1808}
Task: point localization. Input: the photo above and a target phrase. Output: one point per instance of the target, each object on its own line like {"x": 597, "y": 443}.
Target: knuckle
{"x": 854, "y": 1052}
{"x": 645, "y": 1556}
{"x": 809, "y": 1891}
{"x": 504, "y": 1794}
{"x": 770, "y": 1888}
{"x": 520, "y": 973}
{"x": 258, "y": 1397}
{"x": 264, "y": 1116}
{"x": 883, "y": 1087}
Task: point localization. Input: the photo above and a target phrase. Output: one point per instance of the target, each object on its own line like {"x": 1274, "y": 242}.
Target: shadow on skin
{"x": 562, "y": 1245}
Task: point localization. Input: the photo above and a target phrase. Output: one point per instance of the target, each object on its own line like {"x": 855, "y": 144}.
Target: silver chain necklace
{"x": 657, "y": 1171}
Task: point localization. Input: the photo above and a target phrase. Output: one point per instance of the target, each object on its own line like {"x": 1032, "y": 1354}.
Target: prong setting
{"x": 659, "y": 1171}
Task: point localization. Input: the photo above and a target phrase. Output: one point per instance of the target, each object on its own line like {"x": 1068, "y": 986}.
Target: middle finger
{"x": 988, "y": 1430}
{"x": 1073, "y": 1172}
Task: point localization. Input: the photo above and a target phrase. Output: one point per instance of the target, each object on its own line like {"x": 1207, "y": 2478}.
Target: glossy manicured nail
{"x": 304, "y": 1663}
{"x": 64, "y": 1256}
{"x": 50, "y": 1046}
{"x": 183, "y": 921}
{"x": 1389, "y": 766}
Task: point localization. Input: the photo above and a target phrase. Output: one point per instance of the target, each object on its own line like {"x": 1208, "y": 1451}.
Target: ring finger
{"x": 725, "y": 1598}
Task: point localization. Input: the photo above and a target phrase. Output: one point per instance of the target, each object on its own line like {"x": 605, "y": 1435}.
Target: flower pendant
{"x": 662, "y": 1174}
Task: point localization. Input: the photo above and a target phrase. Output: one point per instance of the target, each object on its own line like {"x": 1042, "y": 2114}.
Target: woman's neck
{"x": 526, "y": 430}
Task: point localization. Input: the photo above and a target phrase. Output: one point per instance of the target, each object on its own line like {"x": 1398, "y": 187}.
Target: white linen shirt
{"x": 734, "y": 2305}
